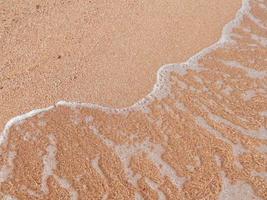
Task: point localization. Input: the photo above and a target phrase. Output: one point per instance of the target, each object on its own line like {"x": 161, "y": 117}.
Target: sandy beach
{"x": 98, "y": 51}
{"x": 193, "y": 129}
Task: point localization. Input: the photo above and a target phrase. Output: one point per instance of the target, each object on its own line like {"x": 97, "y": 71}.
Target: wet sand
{"x": 200, "y": 134}
{"x": 104, "y": 52}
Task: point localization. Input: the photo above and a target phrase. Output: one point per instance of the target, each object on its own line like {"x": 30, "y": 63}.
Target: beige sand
{"x": 105, "y": 52}
{"x": 206, "y": 138}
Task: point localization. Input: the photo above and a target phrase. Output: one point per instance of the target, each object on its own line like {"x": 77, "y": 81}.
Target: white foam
{"x": 79, "y": 105}
{"x": 96, "y": 167}
{"x": 165, "y": 169}
{"x": 27, "y": 136}
{"x": 239, "y": 190}
{"x": 64, "y": 183}
{"x": 154, "y": 186}
{"x": 49, "y": 162}
{"x": 138, "y": 196}
{"x": 202, "y": 123}
{"x": 50, "y": 165}
{"x": 264, "y": 113}
{"x": 161, "y": 87}
{"x": 88, "y": 119}
{"x": 261, "y": 133}
{"x": 262, "y": 175}
{"x": 226, "y": 34}
{"x": 241, "y": 118}
{"x": 257, "y": 21}
{"x": 31, "y": 192}
{"x": 75, "y": 119}
{"x": 154, "y": 152}
{"x": 262, "y": 148}
{"x": 183, "y": 68}
{"x": 261, "y": 40}
{"x": 161, "y": 90}
{"x": 9, "y": 197}
{"x": 105, "y": 197}
{"x": 6, "y": 170}
{"x": 125, "y": 153}
{"x": 252, "y": 73}
{"x": 19, "y": 119}
{"x": 237, "y": 149}
{"x": 249, "y": 94}
{"x": 228, "y": 90}
{"x": 228, "y": 29}
{"x": 180, "y": 106}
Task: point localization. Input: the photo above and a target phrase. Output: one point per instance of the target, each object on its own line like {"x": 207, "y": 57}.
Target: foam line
{"x": 20, "y": 119}
{"x": 161, "y": 87}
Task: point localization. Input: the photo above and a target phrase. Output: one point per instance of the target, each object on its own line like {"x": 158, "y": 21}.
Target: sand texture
{"x": 105, "y": 52}
{"x": 201, "y": 133}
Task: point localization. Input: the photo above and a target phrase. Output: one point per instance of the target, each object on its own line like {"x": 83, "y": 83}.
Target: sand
{"x": 200, "y": 134}
{"x": 104, "y": 52}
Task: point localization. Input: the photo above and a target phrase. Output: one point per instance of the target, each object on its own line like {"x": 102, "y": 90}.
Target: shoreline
{"x": 42, "y": 86}
{"x": 200, "y": 133}
{"x": 160, "y": 85}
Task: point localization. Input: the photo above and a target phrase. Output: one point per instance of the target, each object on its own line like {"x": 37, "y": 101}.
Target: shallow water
{"x": 200, "y": 134}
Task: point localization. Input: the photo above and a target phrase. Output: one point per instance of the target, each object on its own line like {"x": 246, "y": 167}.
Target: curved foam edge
{"x": 19, "y": 119}
{"x": 161, "y": 87}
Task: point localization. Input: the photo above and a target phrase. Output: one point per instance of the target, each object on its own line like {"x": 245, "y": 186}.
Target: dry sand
{"x": 105, "y": 52}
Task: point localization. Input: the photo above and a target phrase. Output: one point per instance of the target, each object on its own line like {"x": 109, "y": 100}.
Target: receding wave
{"x": 200, "y": 134}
